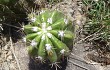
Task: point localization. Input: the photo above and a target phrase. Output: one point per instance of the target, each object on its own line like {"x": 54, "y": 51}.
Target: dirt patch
{"x": 7, "y": 60}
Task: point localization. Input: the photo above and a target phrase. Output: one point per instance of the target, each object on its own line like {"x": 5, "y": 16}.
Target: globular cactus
{"x": 47, "y": 35}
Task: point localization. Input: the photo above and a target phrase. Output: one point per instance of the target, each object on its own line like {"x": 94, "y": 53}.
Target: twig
{"x": 1, "y": 27}
{"x": 87, "y": 37}
{"x": 14, "y": 54}
{"x": 91, "y": 35}
{"x": 11, "y": 25}
{"x": 78, "y": 65}
{"x": 82, "y": 60}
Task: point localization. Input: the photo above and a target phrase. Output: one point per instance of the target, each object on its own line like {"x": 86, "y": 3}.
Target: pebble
{"x": 9, "y": 58}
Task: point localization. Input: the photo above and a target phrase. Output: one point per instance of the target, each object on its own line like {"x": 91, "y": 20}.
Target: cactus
{"x": 46, "y": 35}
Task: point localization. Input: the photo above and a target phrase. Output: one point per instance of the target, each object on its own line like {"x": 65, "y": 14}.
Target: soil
{"x": 99, "y": 59}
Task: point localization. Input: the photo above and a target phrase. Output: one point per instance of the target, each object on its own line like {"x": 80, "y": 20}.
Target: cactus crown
{"x": 45, "y": 35}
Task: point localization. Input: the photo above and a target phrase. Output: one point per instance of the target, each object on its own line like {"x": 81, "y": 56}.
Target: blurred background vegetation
{"x": 98, "y": 24}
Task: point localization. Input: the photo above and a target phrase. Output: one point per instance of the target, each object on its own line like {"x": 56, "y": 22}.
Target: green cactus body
{"x": 67, "y": 34}
{"x": 52, "y": 56}
{"x": 32, "y": 51}
{"x": 41, "y": 50}
{"x": 60, "y": 45}
{"x": 46, "y": 32}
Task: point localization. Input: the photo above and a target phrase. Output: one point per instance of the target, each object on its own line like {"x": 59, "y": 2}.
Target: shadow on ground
{"x": 46, "y": 66}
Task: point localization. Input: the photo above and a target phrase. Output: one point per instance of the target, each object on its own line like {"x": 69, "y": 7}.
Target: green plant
{"x": 4, "y": 1}
{"x": 7, "y": 2}
{"x": 48, "y": 35}
{"x": 98, "y": 23}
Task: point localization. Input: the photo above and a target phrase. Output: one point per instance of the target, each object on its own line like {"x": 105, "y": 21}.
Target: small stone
{"x": 9, "y": 58}
{"x": 6, "y": 47}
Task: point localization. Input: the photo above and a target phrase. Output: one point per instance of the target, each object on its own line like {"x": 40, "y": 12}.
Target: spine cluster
{"x": 47, "y": 34}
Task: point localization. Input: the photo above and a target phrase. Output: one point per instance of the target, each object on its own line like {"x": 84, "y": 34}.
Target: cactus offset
{"x": 46, "y": 33}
